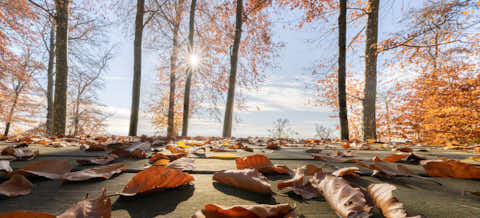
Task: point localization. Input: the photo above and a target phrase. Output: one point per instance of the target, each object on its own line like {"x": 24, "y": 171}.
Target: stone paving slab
{"x": 421, "y": 197}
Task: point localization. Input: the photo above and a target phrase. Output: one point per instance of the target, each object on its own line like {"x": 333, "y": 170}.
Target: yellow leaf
{"x": 225, "y": 156}
{"x": 371, "y": 140}
{"x": 181, "y": 144}
{"x": 161, "y": 162}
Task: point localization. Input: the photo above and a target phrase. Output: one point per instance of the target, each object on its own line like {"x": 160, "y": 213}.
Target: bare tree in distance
{"x": 322, "y": 132}
{"x": 282, "y": 129}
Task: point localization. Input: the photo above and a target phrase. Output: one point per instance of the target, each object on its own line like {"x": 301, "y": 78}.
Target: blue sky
{"x": 283, "y": 95}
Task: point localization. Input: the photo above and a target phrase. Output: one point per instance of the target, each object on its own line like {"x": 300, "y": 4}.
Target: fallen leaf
{"x": 20, "y": 153}
{"x": 161, "y": 162}
{"x": 382, "y": 194}
{"x": 450, "y": 168}
{"x": 170, "y": 157}
{"x": 225, "y": 156}
{"x": 262, "y": 164}
{"x": 475, "y": 160}
{"x": 249, "y": 179}
{"x": 403, "y": 149}
{"x": 99, "y": 160}
{"x": 121, "y": 152}
{"x": 15, "y": 186}
{"x": 93, "y": 147}
{"x": 273, "y": 146}
{"x": 314, "y": 150}
{"x": 174, "y": 150}
{"x": 95, "y": 207}
{"x": 52, "y": 169}
{"x": 5, "y": 168}
{"x": 383, "y": 170}
{"x": 342, "y": 154}
{"x": 246, "y": 211}
{"x": 181, "y": 144}
{"x": 26, "y": 214}
{"x": 155, "y": 178}
{"x": 297, "y": 183}
{"x": 346, "y": 200}
{"x": 182, "y": 164}
{"x": 347, "y": 171}
{"x": 98, "y": 172}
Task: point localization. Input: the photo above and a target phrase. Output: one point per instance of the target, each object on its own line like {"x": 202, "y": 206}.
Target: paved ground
{"x": 420, "y": 197}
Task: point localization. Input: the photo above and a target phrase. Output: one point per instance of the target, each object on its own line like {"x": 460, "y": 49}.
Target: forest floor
{"x": 453, "y": 198}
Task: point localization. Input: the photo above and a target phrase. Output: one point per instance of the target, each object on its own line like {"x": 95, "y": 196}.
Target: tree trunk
{"x": 76, "y": 115}
{"x": 188, "y": 82}
{"x": 342, "y": 50}
{"x": 137, "y": 68}
{"x": 171, "y": 131}
{"x": 227, "y": 123}
{"x": 10, "y": 115}
{"x": 50, "y": 74}
{"x": 61, "y": 79}
{"x": 370, "y": 89}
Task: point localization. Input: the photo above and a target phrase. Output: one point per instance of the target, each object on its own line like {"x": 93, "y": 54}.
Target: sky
{"x": 283, "y": 95}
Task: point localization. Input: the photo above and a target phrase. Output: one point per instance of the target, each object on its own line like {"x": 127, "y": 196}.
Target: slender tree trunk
{"x": 370, "y": 89}
{"x": 171, "y": 130}
{"x": 10, "y": 115}
{"x": 188, "y": 82}
{"x": 61, "y": 79}
{"x": 51, "y": 60}
{"x": 137, "y": 68}
{"x": 76, "y": 115}
{"x": 342, "y": 50}
{"x": 227, "y": 123}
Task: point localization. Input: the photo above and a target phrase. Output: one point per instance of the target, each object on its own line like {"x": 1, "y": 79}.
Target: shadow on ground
{"x": 154, "y": 204}
{"x": 245, "y": 195}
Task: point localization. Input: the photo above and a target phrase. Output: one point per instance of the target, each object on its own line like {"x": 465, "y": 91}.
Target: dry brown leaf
{"x": 314, "y": 150}
{"x": 261, "y": 163}
{"x": 450, "y": 168}
{"x": 94, "y": 207}
{"x": 139, "y": 153}
{"x": 170, "y": 157}
{"x": 5, "y": 168}
{"x": 26, "y": 214}
{"x": 247, "y": 211}
{"x": 249, "y": 179}
{"x": 347, "y": 171}
{"x": 298, "y": 185}
{"x": 395, "y": 157}
{"x": 93, "y": 147}
{"x": 156, "y": 178}
{"x": 52, "y": 169}
{"x": 403, "y": 149}
{"x": 99, "y": 160}
{"x": 383, "y": 170}
{"x": 346, "y": 200}
{"x": 20, "y": 153}
{"x": 182, "y": 164}
{"x": 342, "y": 154}
{"x": 98, "y": 172}
{"x": 382, "y": 194}
{"x": 15, "y": 186}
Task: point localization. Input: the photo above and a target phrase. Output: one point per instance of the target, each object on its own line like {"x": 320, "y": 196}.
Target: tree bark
{"x": 61, "y": 79}
{"x": 10, "y": 115}
{"x": 188, "y": 82}
{"x": 342, "y": 50}
{"x": 227, "y": 123}
{"x": 370, "y": 88}
{"x": 50, "y": 74}
{"x": 171, "y": 130}
{"x": 137, "y": 68}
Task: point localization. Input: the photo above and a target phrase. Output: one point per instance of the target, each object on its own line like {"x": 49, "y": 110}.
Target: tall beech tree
{"x": 61, "y": 71}
{"x": 137, "y": 68}
{"x": 342, "y": 49}
{"x": 370, "y": 75}
{"x": 188, "y": 82}
{"x": 227, "y": 122}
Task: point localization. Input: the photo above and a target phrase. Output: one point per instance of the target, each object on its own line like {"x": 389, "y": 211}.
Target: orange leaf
{"x": 382, "y": 194}
{"x": 395, "y": 157}
{"x": 450, "y": 168}
{"x": 15, "y": 186}
{"x": 170, "y": 157}
{"x": 26, "y": 214}
{"x": 52, "y": 169}
{"x": 261, "y": 163}
{"x": 248, "y": 179}
{"x": 161, "y": 162}
{"x": 246, "y": 211}
{"x": 96, "y": 207}
{"x": 156, "y": 178}
{"x": 350, "y": 171}
{"x": 104, "y": 172}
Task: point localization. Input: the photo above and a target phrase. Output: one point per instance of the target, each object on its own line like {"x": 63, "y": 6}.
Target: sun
{"x": 194, "y": 60}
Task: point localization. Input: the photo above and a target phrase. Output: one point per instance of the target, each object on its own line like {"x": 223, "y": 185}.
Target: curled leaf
{"x": 98, "y": 172}
{"x": 155, "y": 178}
{"x": 346, "y": 200}
{"x": 450, "y": 168}
{"x": 15, "y": 186}
{"x": 22, "y": 213}
{"x": 20, "y": 153}
{"x": 347, "y": 171}
{"x": 297, "y": 183}
{"x": 95, "y": 207}
{"x": 262, "y": 164}
{"x": 52, "y": 169}
{"x": 382, "y": 194}
{"x": 99, "y": 160}
{"x": 246, "y": 211}
{"x": 249, "y": 179}
{"x": 182, "y": 164}
{"x": 170, "y": 157}
{"x": 383, "y": 170}
{"x": 395, "y": 157}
